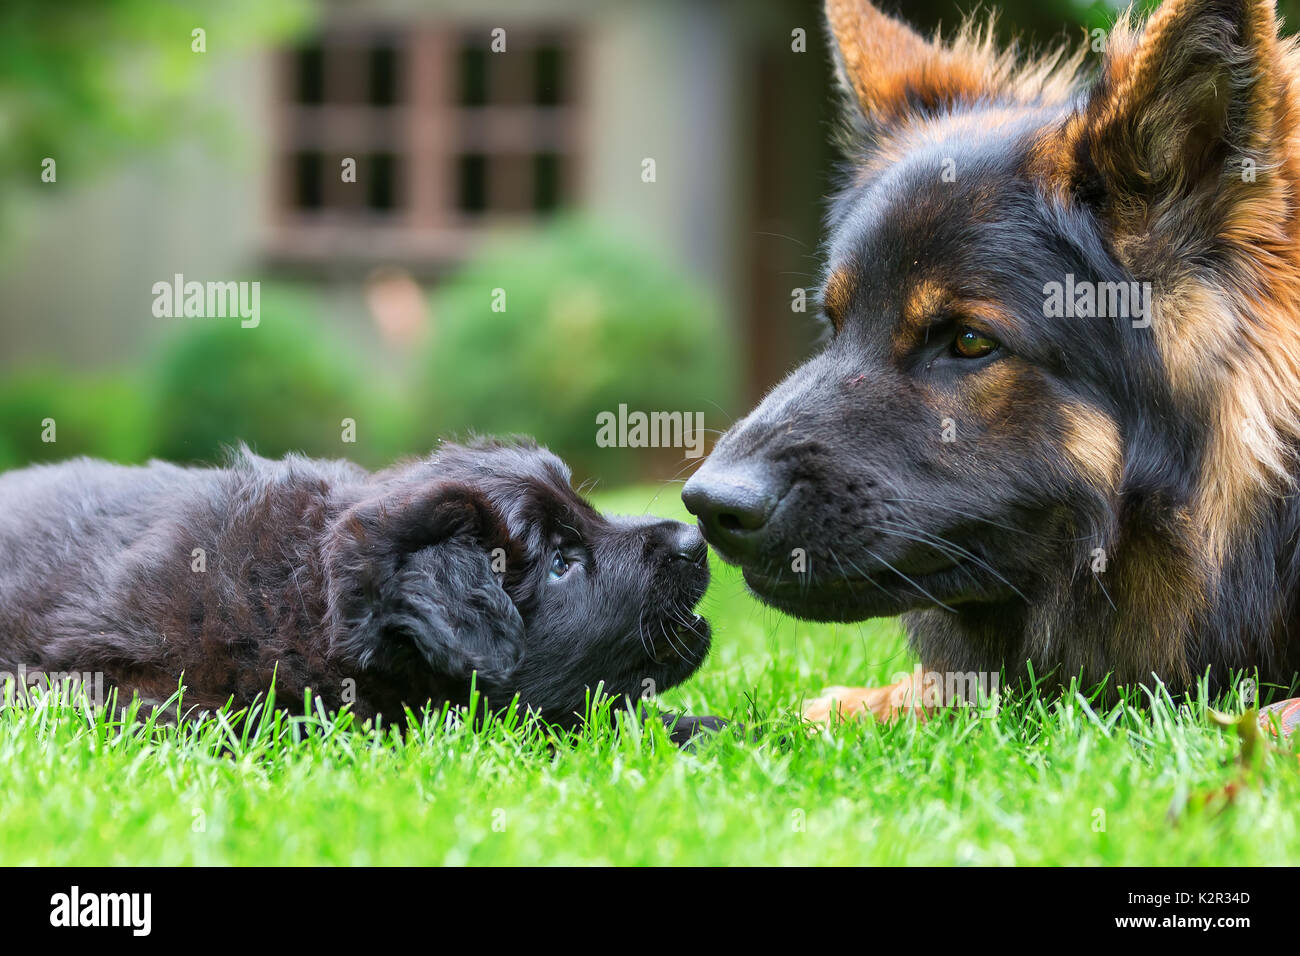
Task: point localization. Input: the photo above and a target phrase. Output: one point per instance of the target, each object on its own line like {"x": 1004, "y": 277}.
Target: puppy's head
{"x": 483, "y": 560}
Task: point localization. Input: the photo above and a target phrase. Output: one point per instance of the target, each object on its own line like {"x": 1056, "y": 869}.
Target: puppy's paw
{"x": 685, "y": 730}
{"x": 883, "y": 703}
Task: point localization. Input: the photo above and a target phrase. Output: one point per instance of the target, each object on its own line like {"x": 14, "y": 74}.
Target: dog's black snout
{"x": 691, "y": 546}
{"x": 732, "y": 509}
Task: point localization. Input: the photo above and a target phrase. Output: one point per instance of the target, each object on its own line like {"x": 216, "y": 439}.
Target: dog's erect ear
{"x": 892, "y": 72}
{"x": 419, "y": 567}
{"x": 1182, "y": 144}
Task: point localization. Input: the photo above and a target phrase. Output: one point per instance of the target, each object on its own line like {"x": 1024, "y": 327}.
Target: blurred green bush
{"x": 286, "y": 385}
{"x": 106, "y": 417}
{"x": 589, "y": 322}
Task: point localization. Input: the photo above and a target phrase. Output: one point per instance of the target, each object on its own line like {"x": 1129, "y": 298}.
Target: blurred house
{"x": 452, "y": 140}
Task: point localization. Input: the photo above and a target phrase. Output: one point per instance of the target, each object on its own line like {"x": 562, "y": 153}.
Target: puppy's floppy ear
{"x": 414, "y": 567}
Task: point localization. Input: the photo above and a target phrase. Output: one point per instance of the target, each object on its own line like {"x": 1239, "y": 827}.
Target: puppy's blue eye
{"x": 558, "y": 565}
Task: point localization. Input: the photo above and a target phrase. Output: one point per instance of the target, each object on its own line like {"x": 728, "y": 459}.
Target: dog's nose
{"x": 732, "y": 509}
{"x": 691, "y": 546}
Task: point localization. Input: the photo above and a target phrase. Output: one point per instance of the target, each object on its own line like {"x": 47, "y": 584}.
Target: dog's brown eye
{"x": 972, "y": 344}
{"x": 559, "y": 565}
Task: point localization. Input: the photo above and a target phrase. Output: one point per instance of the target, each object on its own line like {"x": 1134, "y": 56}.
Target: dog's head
{"x": 483, "y": 560}
{"x": 1033, "y": 347}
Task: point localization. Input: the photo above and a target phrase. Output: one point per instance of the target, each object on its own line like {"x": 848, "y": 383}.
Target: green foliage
{"x": 590, "y": 322}
{"x": 282, "y": 386}
{"x": 82, "y": 80}
{"x": 103, "y": 417}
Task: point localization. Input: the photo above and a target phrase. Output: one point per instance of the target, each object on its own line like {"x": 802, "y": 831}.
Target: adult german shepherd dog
{"x": 1057, "y": 420}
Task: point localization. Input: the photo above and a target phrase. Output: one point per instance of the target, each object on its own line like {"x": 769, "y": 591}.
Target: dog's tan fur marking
{"x": 883, "y": 703}
{"x": 1092, "y": 442}
{"x": 926, "y": 299}
{"x": 1235, "y": 353}
{"x": 883, "y": 62}
{"x": 837, "y": 295}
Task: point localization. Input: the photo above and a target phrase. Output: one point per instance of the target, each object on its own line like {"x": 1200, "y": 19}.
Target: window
{"x": 513, "y": 160}
{"x": 446, "y": 136}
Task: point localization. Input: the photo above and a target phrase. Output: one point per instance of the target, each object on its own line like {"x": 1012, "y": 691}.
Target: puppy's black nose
{"x": 691, "y": 546}
{"x": 732, "y": 508}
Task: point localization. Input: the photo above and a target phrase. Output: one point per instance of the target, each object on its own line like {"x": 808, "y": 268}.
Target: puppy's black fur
{"x": 378, "y": 590}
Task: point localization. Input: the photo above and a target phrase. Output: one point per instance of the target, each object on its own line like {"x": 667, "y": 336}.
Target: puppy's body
{"x": 376, "y": 590}
{"x": 148, "y": 573}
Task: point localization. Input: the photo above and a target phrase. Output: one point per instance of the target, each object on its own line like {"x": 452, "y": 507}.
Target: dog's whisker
{"x": 949, "y": 548}
{"x": 673, "y": 644}
{"x": 960, "y": 559}
{"x": 781, "y": 235}
{"x": 866, "y": 577}
{"x": 729, "y": 418}
{"x": 692, "y": 658}
{"x": 642, "y": 636}
{"x": 908, "y": 579}
{"x": 1096, "y": 577}
{"x": 981, "y": 518}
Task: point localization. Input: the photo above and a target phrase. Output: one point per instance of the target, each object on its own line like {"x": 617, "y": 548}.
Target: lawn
{"x": 1041, "y": 781}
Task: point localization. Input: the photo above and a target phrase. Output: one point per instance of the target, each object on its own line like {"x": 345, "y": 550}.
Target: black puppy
{"x": 378, "y": 590}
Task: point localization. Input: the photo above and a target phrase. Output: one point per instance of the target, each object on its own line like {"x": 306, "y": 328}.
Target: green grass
{"x": 1043, "y": 781}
